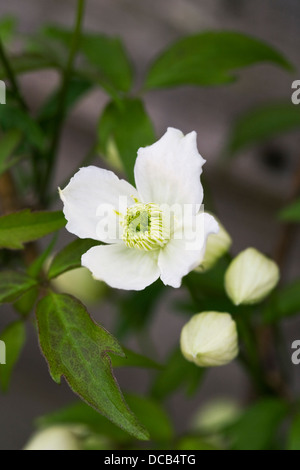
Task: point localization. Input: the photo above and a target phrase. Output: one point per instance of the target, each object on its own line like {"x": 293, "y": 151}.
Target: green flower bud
{"x": 250, "y": 277}
{"x": 209, "y": 339}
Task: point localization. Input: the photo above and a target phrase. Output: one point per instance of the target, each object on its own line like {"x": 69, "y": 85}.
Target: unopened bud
{"x": 209, "y": 339}
{"x": 54, "y": 438}
{"x": 217, "y": 245}
{"x": 250, "y": 277}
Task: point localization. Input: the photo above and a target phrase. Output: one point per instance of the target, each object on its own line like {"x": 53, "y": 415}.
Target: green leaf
{"x": 106, "y": 54}
{"x": 210, "y": 58}
{"x": 7, "y": 28}
{"x": 77, "y": 89}
{"x": 136, "y": 308}
{"x": 78, "y": 349}
{"x": 14, "y": 338}
{"x": 177, "y": 373}
{"x": 25, "y": 63}
{"x": 8, "y": 144}
{"x": 25, "y": 226}
{"x": 283, "y": 303}
{"x": 12, "y": 117}
{"x": 208, "y": 291}
{"x": 294, "y": 434}
{"x": 133, "y": 359}
{"x": 291, "y": 213}
{"x": 195, "y": 443}
{"x": 153, "y": 417}
{"x": 70, "y": 257}
{"x": 13, "y": 284}
{"x": 25, "y": 304}
{"x": 261, "y": 124}
{"x": 149, "y": 412}
{"x": 128, "y": 125}
{"x": 257, "y": 427}
{"x": 109, "y": 56}
{"x": 35, "y": 269}
{"x": 81, "y": 413}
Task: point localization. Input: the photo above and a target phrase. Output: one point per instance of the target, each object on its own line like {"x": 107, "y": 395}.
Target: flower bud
{"x": 209, "y": 339}
{"x": 215, "y": 415}
{"x": 250, "y": 277}
{"x": 217, "y": 245}
{"x": 54, "y": 438}
{"x": 80, "y": 283}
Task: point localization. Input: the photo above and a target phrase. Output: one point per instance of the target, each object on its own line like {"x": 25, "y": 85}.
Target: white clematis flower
{"x": 156, "y": 230}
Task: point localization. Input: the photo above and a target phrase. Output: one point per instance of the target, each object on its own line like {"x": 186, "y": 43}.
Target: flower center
{"x": 145, "y": 227}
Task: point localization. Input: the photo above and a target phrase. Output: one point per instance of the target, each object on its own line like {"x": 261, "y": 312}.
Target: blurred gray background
{"x": 247, "y": 195}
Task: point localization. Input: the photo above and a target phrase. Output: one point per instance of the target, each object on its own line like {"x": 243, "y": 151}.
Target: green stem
{"x": 67, "y": 75}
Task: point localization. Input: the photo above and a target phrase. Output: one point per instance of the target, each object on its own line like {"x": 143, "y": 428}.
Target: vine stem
{"x": 67, "y": 75}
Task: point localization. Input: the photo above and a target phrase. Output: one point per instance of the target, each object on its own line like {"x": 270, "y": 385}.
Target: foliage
{"x": 74, "y": 346}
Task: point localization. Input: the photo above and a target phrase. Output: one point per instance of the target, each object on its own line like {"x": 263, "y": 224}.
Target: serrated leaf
{"x": 13, "y": 284}
{"x": 291, "y": 213}
{"x": 256, "y": 428}
{"x": 8, "y": 144}
{"x": 78, "y": 349}
{"x": 262, "y": 123}
{"x": 14, "y": 338}
{"x": 70, "y": 257}
{"x": 25, "y": 226}
{"x": 129, "y": 127}
{"x": 210, "y": 58}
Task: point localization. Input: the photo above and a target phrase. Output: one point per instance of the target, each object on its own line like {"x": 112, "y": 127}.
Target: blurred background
{"x": 248, "y": 192}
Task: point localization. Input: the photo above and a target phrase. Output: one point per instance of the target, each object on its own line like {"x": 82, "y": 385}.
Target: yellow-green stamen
{"x": 145, "y": 227}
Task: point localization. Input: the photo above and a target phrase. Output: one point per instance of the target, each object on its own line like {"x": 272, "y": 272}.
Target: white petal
{"x": 122, "y": 267}
{"x": 90, "y": 200}
{"x": 168, "y": 172}
{"x": 186, "y": 250}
